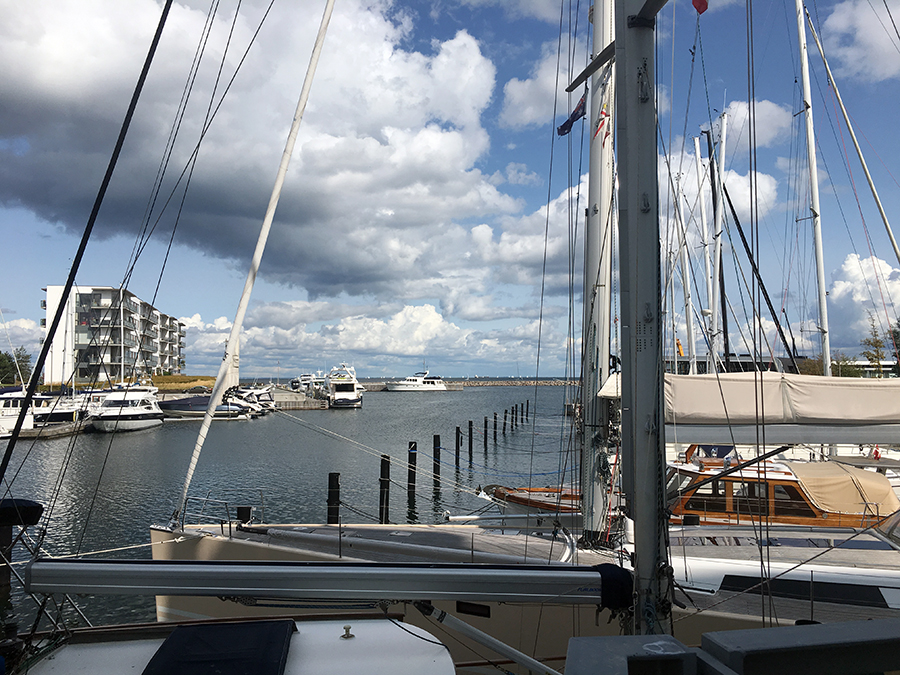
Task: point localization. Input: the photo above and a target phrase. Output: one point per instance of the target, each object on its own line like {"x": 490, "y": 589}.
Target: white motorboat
{"x": 421, "y": 381}
{"x": 342, "y": 388}
{"x": 128, "y": 410}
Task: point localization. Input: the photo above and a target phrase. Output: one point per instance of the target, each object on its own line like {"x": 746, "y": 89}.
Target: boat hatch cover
{"x": 259, "y": 647}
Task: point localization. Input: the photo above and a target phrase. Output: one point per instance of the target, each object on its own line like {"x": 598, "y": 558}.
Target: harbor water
{"x": 103, "y": 491}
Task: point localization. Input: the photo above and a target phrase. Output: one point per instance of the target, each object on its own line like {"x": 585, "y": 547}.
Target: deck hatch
{"x": 247, "y": 647}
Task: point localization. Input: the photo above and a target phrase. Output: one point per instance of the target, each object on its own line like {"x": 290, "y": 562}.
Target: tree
{"x": 8, "y": 372}
{"x": 12, "y": 364}
{"x": 23, "y": 360}
{"x": 894, "y": 346}
{"x": 842, "y": 366}
{"x": 810, "y": 366}
{"x": 874, "y": 346}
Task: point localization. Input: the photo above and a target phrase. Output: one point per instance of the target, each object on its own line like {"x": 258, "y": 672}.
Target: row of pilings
{"x": 513, "y": 418}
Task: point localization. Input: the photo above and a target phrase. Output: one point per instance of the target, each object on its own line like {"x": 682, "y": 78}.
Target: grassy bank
{"x": 182, "y": 382}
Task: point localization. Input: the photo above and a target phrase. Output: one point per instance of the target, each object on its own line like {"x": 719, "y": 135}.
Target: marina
{"x": 120, "y": 485}
{"x": 297, "y": 509}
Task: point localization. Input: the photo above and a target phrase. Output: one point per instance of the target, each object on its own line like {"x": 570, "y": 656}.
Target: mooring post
{"x": 485, "y": 433}
{"x": 436, "y": 444}
{"x": 515, "y": 416}
{"x": 471, "y": 439}
{"x": 495, "y": 428}
{"x": 411, "y": 463}
{"x": 458, "y": 444}
{"x": 384, "y": 490}
{"x": 527, "y": 407}
{"x": 334, "y": 499}
{"x": 504, "y": 421}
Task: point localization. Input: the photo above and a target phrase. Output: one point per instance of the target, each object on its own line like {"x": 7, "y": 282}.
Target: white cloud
{"x": 860, "y": 286}
{"x": 529, "y": 102}
{"x": 537, "y": 9}
{"x": 773, "y": 124}
{"x": 860, "y": 42}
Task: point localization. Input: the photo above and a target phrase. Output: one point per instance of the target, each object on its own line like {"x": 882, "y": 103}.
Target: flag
{"x": 576, "y": 115}
{"x": 700, "y": 5}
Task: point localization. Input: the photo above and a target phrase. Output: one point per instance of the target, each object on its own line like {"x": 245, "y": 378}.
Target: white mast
{"x": 814, "y": 192}
{"x": 862, "y": 159}
{"x": 719, "y": 215}
{"x": 704, "y": 232}
{"x": 685, "y": 281}
{"x": 231, "y": 350}
{"x": 597, "y": 279}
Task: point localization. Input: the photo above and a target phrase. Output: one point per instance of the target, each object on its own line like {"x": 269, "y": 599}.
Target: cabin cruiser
{"x": 342, "y": 388}
{"x": 128, "y": 409}
{"x": 10, "y": 403}
{"x": 419, "y": 382}
{"x": 195, "y": 406}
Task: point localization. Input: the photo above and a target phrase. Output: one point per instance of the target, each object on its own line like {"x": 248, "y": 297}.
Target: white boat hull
{"x": 112, "y": 424}
{"x": 400, "y": 386}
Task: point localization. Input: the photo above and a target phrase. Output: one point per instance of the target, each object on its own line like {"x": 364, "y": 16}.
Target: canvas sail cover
{"x": 826, "y": 483}
{"x": 777, "y": 408}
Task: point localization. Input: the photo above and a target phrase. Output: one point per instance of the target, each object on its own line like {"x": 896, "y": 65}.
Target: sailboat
{"x": 491, "y": 592}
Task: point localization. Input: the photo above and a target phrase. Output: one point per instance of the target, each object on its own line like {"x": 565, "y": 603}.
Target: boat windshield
{"x": 890, "y": 529}
{"x": 676, "y": 484}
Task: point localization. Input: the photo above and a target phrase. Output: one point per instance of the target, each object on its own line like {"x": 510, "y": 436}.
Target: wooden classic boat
{"x": 720, "y": 491}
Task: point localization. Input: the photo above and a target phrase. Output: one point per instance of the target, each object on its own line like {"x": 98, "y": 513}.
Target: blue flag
{"x": 576, "y": 115}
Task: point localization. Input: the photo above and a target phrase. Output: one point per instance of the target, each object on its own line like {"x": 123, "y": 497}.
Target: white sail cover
{"x": 777, "y": 408}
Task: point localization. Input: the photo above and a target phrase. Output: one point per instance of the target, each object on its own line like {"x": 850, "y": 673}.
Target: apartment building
{"x": 108, "y": 335}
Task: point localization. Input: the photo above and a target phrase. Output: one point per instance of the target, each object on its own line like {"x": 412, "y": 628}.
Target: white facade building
{"x": 109, "y": 335}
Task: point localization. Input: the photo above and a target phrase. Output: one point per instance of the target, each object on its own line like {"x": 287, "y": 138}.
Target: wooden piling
{"x": 495, "y": 428}
{"x": 504, "y": 422}
{"x": 411, "y": 463}
{"x": 334, "y": 499}
{"x": 384, "y": 490}
{"x": 436, "y": 446}
{"x": 485, "y": 433}
{"x": 527, "y": 406}
{"x": 458, "y": 444}
{"x": 471, "y": 439}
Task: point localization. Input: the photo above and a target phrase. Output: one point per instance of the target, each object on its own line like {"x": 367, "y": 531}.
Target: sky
{"x": 430, "y": 209}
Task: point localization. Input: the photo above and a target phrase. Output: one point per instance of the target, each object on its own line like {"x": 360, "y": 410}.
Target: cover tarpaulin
{"x": 827, "y": 485}
{"x": 780, "y": 398}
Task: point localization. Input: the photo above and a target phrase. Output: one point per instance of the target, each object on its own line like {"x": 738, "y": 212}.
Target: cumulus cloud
{"x": 406, "y": 335}
{"x": 860, "y": 286}
{"x": 529, "y": 102}
{"x": 773, "y": 124}
{"x": 538, "y": 9}
{"x": 859, "y": 42}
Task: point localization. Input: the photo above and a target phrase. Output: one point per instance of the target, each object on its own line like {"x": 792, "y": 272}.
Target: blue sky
{"x": 412, "y": 224}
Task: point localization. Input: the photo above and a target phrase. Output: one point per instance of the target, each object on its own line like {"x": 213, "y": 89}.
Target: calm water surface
{"x": 115, "y": 486}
